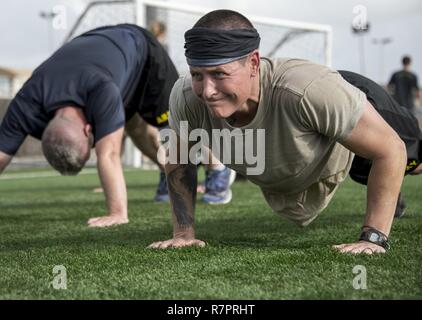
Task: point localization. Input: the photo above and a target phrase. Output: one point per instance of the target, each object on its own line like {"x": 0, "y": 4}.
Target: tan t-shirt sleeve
{"x": 332, "y": 106}
{"x": 183, "y": 106}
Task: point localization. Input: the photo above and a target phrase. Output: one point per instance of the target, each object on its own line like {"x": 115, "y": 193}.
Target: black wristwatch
{"x": 374, "y": 236}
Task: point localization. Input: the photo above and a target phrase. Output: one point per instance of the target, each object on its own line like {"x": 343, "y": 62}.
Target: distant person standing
{"x": 404, "y": 85}
{"x": 159, "y": 30}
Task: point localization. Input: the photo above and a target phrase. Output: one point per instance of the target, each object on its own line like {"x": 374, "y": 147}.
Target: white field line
{"x": 46, "y": 174}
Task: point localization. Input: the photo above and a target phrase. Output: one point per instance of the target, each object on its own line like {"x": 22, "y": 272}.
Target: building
{"x": 11, "y": 81}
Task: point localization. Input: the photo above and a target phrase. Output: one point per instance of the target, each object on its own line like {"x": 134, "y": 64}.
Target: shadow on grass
{"x": 248, "y": 232}
{"x": 15, "y": 190}
{"x": 57, "y": 206}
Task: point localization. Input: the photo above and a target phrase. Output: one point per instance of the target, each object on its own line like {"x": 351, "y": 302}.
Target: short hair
{"x": 406, "y": 60}
{"x": 63, "y": 152}
{"x": 224, "y": 20}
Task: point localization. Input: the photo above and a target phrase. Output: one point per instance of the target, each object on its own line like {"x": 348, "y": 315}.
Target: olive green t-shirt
{"x": 306, "y": 110}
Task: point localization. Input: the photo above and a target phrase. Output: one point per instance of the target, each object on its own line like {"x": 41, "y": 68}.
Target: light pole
{"x": 49, "y": 16}
{"x": 381, "y": 42}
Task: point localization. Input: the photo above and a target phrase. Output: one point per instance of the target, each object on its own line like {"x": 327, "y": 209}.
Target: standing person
{"x": 404, "y": 85}
{"x": 314, "y": 123}
{"x": 159, "y": 30}
{"x": 85, "y": 95}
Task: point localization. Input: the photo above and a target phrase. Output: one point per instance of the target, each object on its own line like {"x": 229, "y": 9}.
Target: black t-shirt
{"x": 404, "y": 83}
{"x": 110, "y": 73}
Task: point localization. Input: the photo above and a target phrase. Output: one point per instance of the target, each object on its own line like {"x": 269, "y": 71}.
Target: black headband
{"x": 210, "y": 47}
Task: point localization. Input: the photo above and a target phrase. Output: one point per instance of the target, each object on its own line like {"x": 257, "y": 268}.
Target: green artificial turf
{"x": 251, "y": 254}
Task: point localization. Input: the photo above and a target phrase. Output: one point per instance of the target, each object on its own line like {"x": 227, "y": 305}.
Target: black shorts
{"x": 151, "y": 99}
{"x": 398, "y": 117}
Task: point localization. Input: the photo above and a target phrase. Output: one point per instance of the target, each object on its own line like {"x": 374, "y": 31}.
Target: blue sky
{"x": 24, "y": 35}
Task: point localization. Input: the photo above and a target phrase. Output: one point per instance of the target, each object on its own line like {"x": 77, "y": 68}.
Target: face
{"x": 82, "y": 135}
{"x": 226, "y": 88}
{"x": 88, "y": 139}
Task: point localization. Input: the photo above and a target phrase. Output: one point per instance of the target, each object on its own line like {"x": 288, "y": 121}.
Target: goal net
{"x": 103, "y": 13}
{"x": 279, "y": 38}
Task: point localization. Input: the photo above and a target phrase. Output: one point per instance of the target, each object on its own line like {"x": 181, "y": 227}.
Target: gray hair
{"x": 63, "y": 151}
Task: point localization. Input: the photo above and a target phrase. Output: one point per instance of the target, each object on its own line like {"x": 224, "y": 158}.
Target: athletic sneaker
{"x": 162, "y": 193}
{"x": 217, "y": 186}
{"x": 400, "y": 207}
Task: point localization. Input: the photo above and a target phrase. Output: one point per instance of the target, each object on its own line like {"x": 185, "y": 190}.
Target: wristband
{"x": 374, "y": 236}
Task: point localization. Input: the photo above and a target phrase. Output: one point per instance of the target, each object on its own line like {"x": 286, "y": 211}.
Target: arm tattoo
{"x": 182, "y": 190}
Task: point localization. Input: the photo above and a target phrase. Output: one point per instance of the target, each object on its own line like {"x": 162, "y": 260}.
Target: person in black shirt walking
{"x": 404, "y": 85}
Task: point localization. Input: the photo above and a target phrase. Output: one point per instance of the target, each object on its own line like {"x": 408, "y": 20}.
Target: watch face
{"x": 373, "y": 237}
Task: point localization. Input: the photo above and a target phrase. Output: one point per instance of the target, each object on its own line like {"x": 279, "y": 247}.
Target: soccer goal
{"x": 279, "y": 38}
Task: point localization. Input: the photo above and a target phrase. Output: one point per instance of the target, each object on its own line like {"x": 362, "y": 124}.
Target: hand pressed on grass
{"x": 107, "y": 221}
{"x": 359, "y": 247}
{"x": 177, "y": 243}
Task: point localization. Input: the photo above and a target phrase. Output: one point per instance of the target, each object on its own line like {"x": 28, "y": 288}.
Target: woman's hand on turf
{"x": 177, "y": 243}
{"x": 359, "y": 247}
{"x": 107, "y": 221}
